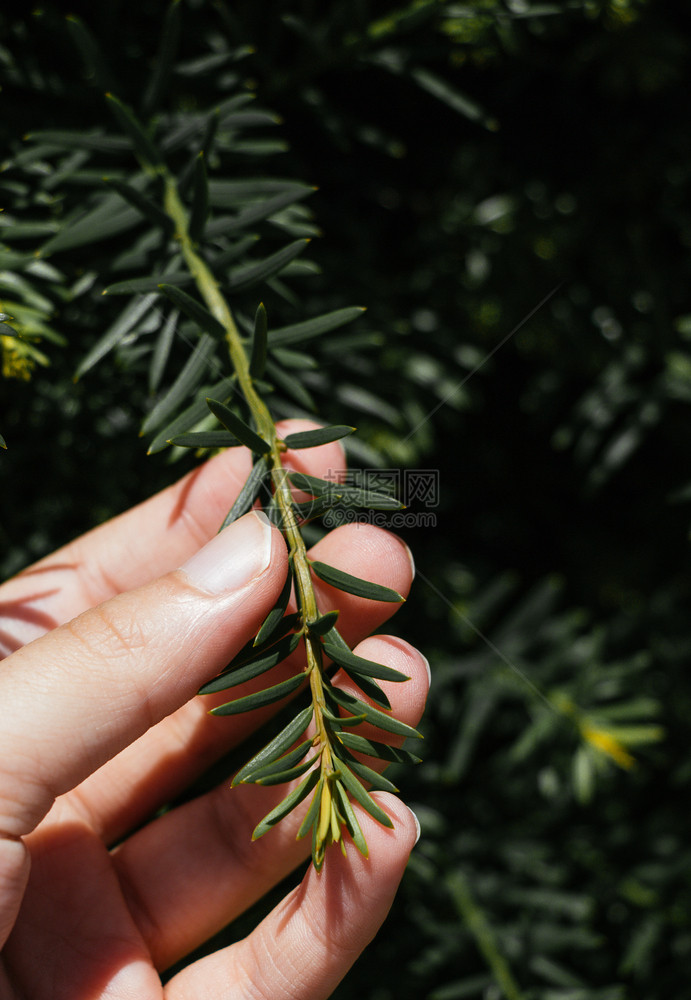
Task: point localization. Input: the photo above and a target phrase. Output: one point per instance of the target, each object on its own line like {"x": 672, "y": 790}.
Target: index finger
{"x": 75, "y": 697}
{"x": 140, "y": 545}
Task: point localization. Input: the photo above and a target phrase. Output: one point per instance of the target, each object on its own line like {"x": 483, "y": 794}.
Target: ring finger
{"x": 202, "y": 852}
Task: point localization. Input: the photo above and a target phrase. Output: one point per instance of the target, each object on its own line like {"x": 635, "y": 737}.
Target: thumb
{"x": 77, "y": 696}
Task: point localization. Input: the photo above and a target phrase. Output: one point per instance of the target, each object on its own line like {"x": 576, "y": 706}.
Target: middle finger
{"x": 166, "y": 759}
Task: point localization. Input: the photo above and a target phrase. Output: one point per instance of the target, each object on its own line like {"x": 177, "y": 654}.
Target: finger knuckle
{"x": 109, "y": 632}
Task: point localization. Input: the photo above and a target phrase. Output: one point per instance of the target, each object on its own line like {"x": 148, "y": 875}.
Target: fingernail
{"x": 427, "y": 667}
{"x": 410, "y": 556}
{"x": 417, "y": 824}
{"x": 233, "y": 558}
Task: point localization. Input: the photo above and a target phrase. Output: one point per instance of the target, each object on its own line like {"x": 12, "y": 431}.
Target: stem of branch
{"x": 212, "y": 295}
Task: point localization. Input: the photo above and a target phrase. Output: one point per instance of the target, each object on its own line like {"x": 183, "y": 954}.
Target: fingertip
{"x": 408, "y": 698}
{"x": 370, "y": 552}
{"x": 406, "y": 825}
{"x": 388, "y": 848}
{"x": 322, "y": 925}
{"x": 396, "y": 652}
{"x": 328, "y": 461}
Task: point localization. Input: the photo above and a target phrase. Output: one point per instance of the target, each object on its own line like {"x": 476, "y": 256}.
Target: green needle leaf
{"x": 324, "y": 624}
{"x": 291, "y": 386}
{"x": 238, "y": 427}
{"x": 278, "y": 745}
{"x": 353, "y": 584}
{"x": 288, "y": 358}
{"x": 257, "y": 479}
{"x": 370, "y": 688}
{"x": 237, "y": 193}
{"x": 209, "y": 137}
{"x": 261, "y": 698}
{"x": 195, "y": 310}
{"x": 148, "y": 209}
{"x": 200, "y": 200}
{"x": 376, "y": 780}
{"x": 205, "y": 439}
{"x": 133, "y": 128}
{"x": 374, "y": 749}
{"x": 27, "y": 231}
{"x": 219, "y": 263}
{"x": 351, "y": 821}
{"x": 298, "y": 332}
{"x": 256, "y": 213}
{"x": 189, "y": 378}
{"x": 310, "y": 509}
{"x": 279, "y": 764}
{"x": 311, "y": 484}
{"x": 366, "y": 684}
{"x": 260, "y": 664}
{"x": 281, "y": 777}
{"x": 312, "y": 812}
{"x": 150, "y": 284}
{"x": 379, "y": 719}
{"x": 350, "y": 497}
{"x": 251, "y": 274}
{"x": 187, "y": 175}
{"x": 347, "y": 496}
{"x": 358, "y": 664}
{"x": 165, "y": 57}
{"x": 358, "y": 792}
{"x": 289, "y": 623}
{"x": 338, "y": 722}
{"x": 259, "y": 341}
{"x": 322, "y": 435}
{"x": 274, "y": 513}
{"x": 91, "y": 52}
{"x": 287, "y": 805}
{"x": 456, "y": 100}
{"x": 275, "y": 616}
{"x": 133, "y": 312}
{"x": 69, "y": 140}
{"x": 107, "y": 220}
{"x": 191, "y": 416}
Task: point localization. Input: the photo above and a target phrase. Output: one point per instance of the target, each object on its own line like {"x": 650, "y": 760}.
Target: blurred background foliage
{"x": 505, "y": 185}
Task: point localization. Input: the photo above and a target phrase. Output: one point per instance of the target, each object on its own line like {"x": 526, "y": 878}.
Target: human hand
{"x": 101, "y": 727}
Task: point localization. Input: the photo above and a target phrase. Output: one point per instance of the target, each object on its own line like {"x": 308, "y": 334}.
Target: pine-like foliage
{"x": 187, "y": 241}
{"x": 471, "y": 157}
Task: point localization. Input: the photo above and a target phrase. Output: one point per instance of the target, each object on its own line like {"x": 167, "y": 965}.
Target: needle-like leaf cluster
{"x": 188, "y": 246}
